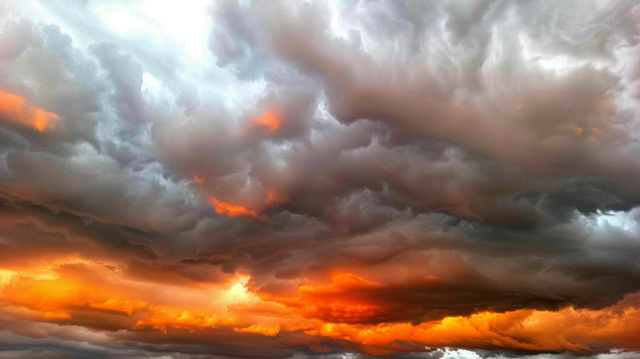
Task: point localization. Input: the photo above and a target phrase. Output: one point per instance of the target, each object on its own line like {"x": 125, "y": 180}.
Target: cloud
{"x": 334, "y": 179}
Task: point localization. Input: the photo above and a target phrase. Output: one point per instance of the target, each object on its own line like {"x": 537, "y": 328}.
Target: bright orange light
{"x": 567, "y": 329}
{"x": 16, "y": 109}
{"x": 231, "y": 210}
{"x": 578, "y": 131}
{"x": 341, "y": 282}
{"x": 269, "y": 331}
{"x": 46, "y": 291}
{"x": 164, "y": 318}
{"x": 198, "y": 180}
{"x": 272, "y": 117}
{"x": 10, "y": 103}
{"x": 54, "y": 293}
{"x": 337, "y": 302}
{"x": 65, "y": 293}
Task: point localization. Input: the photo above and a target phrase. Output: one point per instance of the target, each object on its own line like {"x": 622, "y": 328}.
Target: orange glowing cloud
{"x": 165, "y": 318}
{"x": 334, "y": 302}
{"x": 232, "y": 210}
{"x": 268, "y": 331}
{"x": 16, "y": 109}
{"x": 69, "y": 292}
{"x": 273, "y": 118}
{"x": 342, "y": 311}
{"x": 198, "y": 180}
{"x": 341, "y": 282}
{"x": 566, "y": 330}
{"x": 235, "y": 210}
{"x": 55, "y": 293}
{"x": 56, "y": 296}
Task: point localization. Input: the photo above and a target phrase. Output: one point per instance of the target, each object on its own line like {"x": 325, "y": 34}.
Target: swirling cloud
{"x": 319, "y": 179}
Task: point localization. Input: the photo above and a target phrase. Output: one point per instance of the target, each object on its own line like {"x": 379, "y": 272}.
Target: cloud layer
{"x": 326, "y": 178}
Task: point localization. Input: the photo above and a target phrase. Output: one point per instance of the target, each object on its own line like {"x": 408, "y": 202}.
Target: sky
{"x": 319, "y": 179}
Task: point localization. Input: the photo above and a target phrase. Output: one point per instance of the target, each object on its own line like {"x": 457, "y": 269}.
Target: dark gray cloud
{"x": 456, "y": 157}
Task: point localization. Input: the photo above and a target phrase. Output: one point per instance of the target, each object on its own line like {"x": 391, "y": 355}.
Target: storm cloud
{"x": 320, "y": 179}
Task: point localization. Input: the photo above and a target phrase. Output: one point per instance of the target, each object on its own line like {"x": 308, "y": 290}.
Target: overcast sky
{"x": 319, "y": 179}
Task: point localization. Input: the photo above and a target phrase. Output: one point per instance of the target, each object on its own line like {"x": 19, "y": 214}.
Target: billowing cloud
{"x": 320, "y": 179}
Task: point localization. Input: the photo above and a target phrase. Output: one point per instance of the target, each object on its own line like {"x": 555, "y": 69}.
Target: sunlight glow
{"x": 232, "y": 210}
{"x": 16, "y": 109}
{"x": 271, "y": 118}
